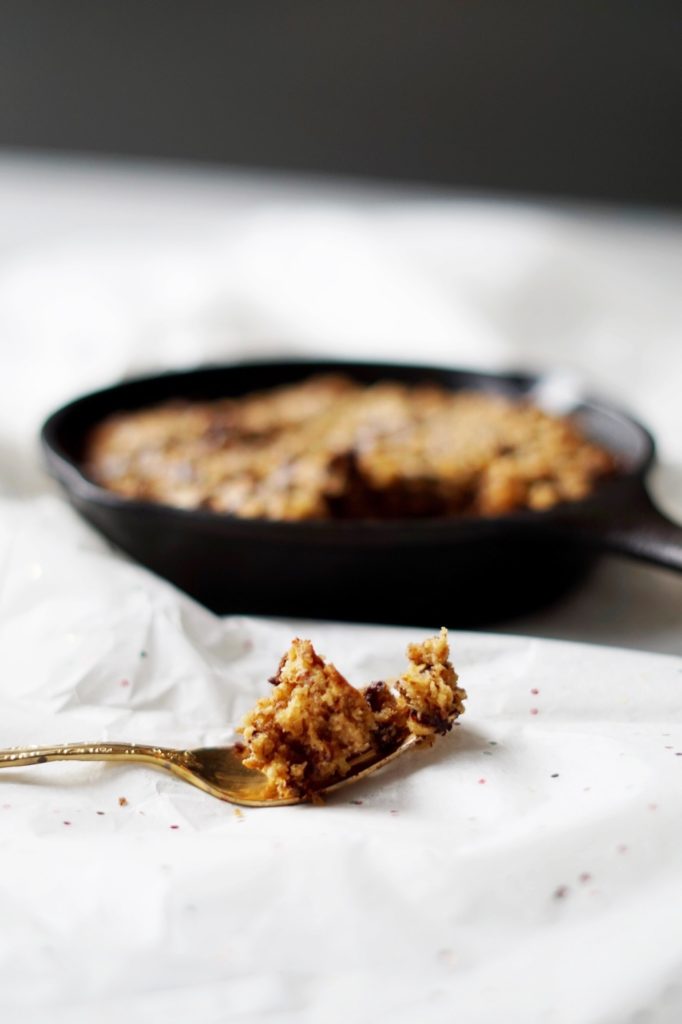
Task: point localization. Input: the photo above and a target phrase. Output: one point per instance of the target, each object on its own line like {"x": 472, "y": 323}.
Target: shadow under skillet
{"x": 620, "y": 604}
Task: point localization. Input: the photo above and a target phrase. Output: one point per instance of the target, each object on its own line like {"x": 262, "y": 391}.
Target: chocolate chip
{"x": 375, "y": 694}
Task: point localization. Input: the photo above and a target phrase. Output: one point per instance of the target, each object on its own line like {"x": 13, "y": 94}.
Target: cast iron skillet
{"x": 463, "y": 572}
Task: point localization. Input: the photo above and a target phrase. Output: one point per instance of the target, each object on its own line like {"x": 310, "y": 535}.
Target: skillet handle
{"x": 637, "y": 529}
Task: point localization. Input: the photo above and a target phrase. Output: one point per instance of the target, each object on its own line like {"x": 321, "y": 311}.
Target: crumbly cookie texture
{"x": 329, "y": 447}
{"x": 309, "y": 729}
{"x": 314, "y": 726}
{"x": 429, "y": 687}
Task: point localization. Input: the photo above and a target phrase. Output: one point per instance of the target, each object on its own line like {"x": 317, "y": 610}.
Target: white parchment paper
{"x": 525, "y": 868}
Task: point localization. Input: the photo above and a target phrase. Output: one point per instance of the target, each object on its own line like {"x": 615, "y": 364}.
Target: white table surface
{"x": 109, "y": 268}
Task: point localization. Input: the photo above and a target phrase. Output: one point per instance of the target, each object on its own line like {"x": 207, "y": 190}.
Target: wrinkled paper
{"x": 526, "y": 867}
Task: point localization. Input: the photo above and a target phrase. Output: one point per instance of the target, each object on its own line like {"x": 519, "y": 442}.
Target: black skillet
{"x": 461, "y": 571}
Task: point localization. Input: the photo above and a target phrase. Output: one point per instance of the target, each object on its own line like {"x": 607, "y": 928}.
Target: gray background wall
{"x": 551, "y": 96}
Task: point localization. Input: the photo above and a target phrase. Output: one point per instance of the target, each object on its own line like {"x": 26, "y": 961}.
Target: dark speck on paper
{"x": 554, "y": 775}
{"x": 561, "y": 892}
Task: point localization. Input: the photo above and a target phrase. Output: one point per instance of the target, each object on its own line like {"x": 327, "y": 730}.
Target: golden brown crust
{"x": 310, "y": 730}
{"x": 332, "y": 448}
{"x": 429, "y": 687}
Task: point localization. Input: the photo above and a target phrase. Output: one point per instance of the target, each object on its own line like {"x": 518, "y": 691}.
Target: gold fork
{"x": 217, "y": 770}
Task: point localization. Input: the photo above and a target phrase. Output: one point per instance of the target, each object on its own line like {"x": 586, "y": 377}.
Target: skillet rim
{"x": 67, "y": 469}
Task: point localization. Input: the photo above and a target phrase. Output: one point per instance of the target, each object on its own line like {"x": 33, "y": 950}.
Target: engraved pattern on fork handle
{"x": 140, "y": 753}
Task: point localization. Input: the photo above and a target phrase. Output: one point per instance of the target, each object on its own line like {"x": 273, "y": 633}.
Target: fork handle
{"x": 17, "y": 757}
